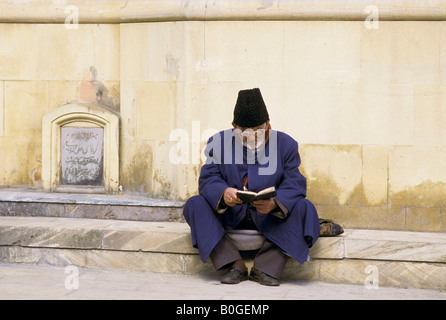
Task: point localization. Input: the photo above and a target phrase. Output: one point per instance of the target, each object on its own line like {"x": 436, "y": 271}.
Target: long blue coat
{"x": 227, "y": 163}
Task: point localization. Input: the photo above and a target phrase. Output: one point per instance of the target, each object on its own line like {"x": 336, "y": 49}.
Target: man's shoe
{"x": 234, "y": 276}
{"x": 263, "y": 278}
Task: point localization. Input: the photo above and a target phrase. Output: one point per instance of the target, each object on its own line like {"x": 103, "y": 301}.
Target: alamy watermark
{"x": 72, "y": 280}
{"x": 72, "y": 19}
{"x": 372, "y": 280}
{"x": 231, "y": 146}
{"x": 372, "y": 20}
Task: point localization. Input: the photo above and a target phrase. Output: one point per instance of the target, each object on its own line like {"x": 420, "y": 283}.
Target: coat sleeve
{"x": 293, "y": 185}
{"x": 211, "y": 183}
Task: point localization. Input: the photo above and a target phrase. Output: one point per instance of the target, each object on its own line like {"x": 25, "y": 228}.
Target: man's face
{"x": 253, "y": 138}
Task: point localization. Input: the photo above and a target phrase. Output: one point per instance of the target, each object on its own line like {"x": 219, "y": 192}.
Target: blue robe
{"x": 277, "y": 165}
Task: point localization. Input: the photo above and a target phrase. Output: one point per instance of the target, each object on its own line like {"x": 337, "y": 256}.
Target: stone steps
{"x": 30, "y": 202}
{"x": 370, "y": 257}
{"x": 144, "y": 234}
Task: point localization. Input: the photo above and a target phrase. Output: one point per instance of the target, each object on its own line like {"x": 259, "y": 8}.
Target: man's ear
{"x": 234, "y": 125}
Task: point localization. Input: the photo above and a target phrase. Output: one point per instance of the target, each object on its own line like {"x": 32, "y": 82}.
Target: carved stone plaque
{"x": 82, "y": 156}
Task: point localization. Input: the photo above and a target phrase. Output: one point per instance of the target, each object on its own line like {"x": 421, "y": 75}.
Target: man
{"x": 252, "y": 156}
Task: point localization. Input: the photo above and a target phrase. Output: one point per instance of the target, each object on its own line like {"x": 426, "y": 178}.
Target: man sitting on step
{"x": 252, "y": 156}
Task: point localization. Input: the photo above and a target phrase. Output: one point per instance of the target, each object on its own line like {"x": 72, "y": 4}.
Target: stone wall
{"x": 367, "y": 102}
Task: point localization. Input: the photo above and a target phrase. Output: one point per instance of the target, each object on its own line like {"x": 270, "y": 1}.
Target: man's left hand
{"x": 265, "y": 206}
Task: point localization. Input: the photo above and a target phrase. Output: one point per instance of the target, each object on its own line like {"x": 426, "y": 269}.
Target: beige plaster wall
{"x": 366, "y": 105}
{"x": 41, "y": 68}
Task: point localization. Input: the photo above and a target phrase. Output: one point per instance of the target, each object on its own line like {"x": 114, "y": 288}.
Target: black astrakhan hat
{"x": 250, "y": 109}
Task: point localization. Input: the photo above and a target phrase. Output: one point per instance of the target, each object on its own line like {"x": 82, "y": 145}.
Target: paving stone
{"x": 26, "y": 282}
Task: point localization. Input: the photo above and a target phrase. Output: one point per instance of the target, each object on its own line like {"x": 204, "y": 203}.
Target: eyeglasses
{"x": 250, "y": 132}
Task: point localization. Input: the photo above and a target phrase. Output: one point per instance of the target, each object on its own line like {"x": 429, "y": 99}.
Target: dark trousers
{"x": 269, "y": 259}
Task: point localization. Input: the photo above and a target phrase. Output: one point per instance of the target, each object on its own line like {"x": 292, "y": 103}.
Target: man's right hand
{"x": 230, "y": 197}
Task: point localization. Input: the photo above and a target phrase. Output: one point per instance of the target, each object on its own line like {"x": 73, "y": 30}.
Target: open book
{"x": 250, "y": 196}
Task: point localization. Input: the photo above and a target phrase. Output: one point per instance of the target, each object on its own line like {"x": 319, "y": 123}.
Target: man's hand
{"x": 230, "y": 197}
{"x": 265, "y": 206}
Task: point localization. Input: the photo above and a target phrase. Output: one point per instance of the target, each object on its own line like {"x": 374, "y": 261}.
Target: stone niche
{"x": 80, "y": 149}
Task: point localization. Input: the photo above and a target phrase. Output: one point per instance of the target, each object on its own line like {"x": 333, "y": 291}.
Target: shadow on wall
{"x": 94, "y": 91}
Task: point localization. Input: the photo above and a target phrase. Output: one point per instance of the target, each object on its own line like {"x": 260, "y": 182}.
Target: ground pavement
{"x": 36, "y": 282}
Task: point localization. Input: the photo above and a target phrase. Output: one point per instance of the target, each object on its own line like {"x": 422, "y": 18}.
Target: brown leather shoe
{"x": 234, "y": 276}
{"x": 263, "y": 278}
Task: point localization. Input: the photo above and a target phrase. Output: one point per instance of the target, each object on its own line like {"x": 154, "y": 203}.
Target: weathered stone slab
{"x": 49, "y": 237}
{"x": 385, "y": 273}
{"x": 328, "y": 248}
{"x": 104, "y": 259}
{"x": 396, "y": 245}
{"x": 34, "y": 196}
{"x": 82, "y": 161}
{"x": 153, "y": 237}
{"x": 17, "y": 202}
